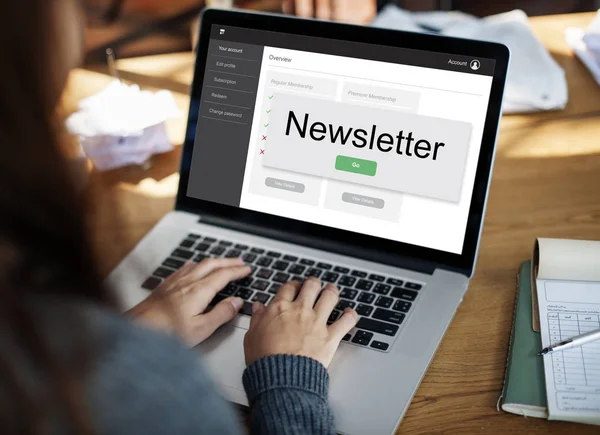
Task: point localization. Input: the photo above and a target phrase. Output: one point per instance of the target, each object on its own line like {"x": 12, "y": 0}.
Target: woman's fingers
{"x": 208, "y": 323}
{"x": 200, "y": 293}
{"x": 343, "y": 325}
{"x": 208, "y": 266}
{"x": 330, "y": 296}
{"x": 309, "y": 292}
{"x": 323, "y": 9}
{"x": 287, "y": 292}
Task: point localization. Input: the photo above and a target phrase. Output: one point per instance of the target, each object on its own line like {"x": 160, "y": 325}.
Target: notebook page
{"x": 568, "y": 309}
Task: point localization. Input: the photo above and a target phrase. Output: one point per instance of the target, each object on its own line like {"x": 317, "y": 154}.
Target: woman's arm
{"x": 287, "y": 348}
{"x": 288, "y": 396}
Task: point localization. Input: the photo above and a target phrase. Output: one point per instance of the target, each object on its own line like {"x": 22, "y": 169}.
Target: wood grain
{"x": 546, "y": 182}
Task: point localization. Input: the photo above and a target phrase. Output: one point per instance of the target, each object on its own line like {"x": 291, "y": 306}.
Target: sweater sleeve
{"x": 288, "y": 396}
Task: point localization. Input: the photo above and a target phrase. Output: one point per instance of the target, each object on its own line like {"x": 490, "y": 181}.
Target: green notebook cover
{"x": 524, "y": 391}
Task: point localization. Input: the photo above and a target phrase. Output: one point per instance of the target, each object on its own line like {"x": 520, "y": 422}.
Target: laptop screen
{"x": 372, "y": 139}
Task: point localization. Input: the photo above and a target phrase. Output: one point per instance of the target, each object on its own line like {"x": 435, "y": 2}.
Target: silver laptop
{"x": 360, "y": 156}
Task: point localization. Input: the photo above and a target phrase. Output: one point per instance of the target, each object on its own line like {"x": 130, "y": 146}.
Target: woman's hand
{"x": 295, "y": 323}
{"x": 348, "y": 11}
{"x": 179, "y": 302}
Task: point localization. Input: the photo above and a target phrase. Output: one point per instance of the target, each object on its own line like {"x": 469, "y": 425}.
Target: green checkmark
{"x": 269, "y": 111}
{"x": 271, "y": 97}
{"x": 266, "y": 125}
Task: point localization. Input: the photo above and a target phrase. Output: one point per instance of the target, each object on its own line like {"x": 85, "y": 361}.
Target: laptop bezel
{"x": 362, "y": 245}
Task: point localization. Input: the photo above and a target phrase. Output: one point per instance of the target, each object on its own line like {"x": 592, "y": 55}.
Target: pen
{"x": 110, "y": 59}
{"x": 580, "y": 340}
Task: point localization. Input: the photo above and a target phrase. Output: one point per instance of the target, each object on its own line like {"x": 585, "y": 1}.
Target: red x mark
{"x": 264, "y": 137}
{"x": 262, "y": 151}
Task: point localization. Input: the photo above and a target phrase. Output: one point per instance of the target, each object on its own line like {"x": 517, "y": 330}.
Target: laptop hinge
{"x": 388, "y": 258}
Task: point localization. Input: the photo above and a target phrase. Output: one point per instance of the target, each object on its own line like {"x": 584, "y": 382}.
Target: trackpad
{"x": 223, "y": 355}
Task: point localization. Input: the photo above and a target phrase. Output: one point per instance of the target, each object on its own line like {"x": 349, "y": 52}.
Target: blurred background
{"x": 144, "y": 27}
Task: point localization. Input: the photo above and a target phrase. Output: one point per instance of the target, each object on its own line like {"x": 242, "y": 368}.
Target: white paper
{"x": 591, "y": 59}
{"x": 568, "y": 309}
{"x": 123, "y": 125}
{"x": 568, "y": 293}
{"x": 535, "y": 81}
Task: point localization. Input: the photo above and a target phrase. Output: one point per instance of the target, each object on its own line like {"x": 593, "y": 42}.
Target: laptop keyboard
{"x": 382, "y": 301}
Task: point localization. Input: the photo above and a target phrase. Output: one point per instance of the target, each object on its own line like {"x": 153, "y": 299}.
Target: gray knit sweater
{"x": 144, "y": 382}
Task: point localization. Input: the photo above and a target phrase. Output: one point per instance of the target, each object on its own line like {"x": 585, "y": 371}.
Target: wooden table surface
{"x": 546, "y": 183}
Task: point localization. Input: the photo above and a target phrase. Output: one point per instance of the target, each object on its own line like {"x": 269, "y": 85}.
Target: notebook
{"x": 568, "y": 296}
{"x": 524, "y": 392}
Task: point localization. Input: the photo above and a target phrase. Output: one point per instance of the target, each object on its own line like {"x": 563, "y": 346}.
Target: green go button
{"x": 358, "y": 166}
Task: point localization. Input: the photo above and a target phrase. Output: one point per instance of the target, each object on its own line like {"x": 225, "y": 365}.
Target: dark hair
{"x": 44, "y": 245}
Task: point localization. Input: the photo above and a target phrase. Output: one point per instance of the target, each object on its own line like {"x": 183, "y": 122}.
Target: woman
{"x": 69, "y": 362}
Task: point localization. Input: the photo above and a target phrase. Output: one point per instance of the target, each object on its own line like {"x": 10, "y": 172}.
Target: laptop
{"x": 360, "y": 156}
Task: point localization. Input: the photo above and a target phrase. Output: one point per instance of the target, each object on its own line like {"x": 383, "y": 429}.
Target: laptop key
{"x": 343, "y": 304}
{"x": 362, "y": 337}
{"x": 233, "y": 253}
{"x": 377, "y": 326}
{"x": 274, "y": 288}
{"x": 335, "y": 314}
{"x": 182, "y": 253}
{"x": 264, "y": 273}
{"x": 209, "y": 240}
{"x": 280, "y": 265}
{"x": 382, "y": 289}
{"x": 225, "y": 243}
{"x": 257, "y": 250}
{"x": 347, "y": 337}
{"x": 264, "y": 261}
{"x": 261, "y": 297}
{"x": 367, "y": 298}
{"x": 364, "y": 310}
{"x": 163, "y": 272}
{"x": 217, "y": 250}
{"x": 173, "y": 263}
{"x": 248, "y": 258}
{"x": 246, "y": 309}
{"x": 348, "y": 293}
{"x": 290, "y": 258}
{"x": 193, "y": 236}
{"x": 347, "y": 280}
{"x": 300, "y": 279}
{"x": 307, "y": 262}
{"x": 359, "y": 273}
{"x": 151, "y": 283}
{"x": 281, "y": 277}
{"x": 413, "y": 285}
{"x": 187, "y": 243}
{"x": 401, "y": 306}
{"x": 229, "y": 289}
{"x": 330, "y": 277}
{"x": 395, "y": 281}
{"x": 388, "y": 316}
{"x": 340, "y": 269}
{"x": 296, "y": 269}
{"x": 380, "y": 345}
{"x": 363, "y": 284}
{"x": 326, "y": 266}
{"x": 384, "y": 302}
{"x": 244, "y": 293}
{"x": 401, "y": 293}
{"x": 202, "y": 247}
{"x": 313, "y": 272}
{"x": 274, "y": 254}
{"x": 244, "y": 282}
{"x": 241, "y": 247}
{"x": 378, "y": 278}
{"x": 260, "y": 284}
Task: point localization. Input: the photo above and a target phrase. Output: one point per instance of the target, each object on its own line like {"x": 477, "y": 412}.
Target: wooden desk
{"x": 546, "y": 183}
